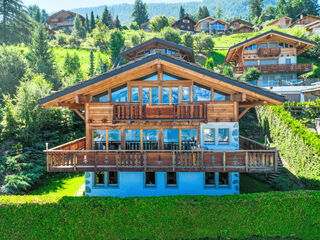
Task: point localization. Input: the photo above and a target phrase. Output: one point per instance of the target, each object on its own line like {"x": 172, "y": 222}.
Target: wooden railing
{"x": 281, "y": 68}
{"x": 269, "y": 52}
{"x": 173, "y": 111}
{"x": 161, "y": 160}
{"x": 247, "y": 143}
{"x": 78, "y": 144}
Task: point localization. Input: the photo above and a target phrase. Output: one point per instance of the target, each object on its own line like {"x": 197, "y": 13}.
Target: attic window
{"x": 150, "y": 77}
{"x": 220, "y": 96}
{"x": 170, "y": 77}
{"x": 119, "y": 94}
{"x": 102, "y": 97}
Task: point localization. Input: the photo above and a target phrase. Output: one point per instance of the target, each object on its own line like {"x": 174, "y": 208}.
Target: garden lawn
{"x": 288, "y": 214}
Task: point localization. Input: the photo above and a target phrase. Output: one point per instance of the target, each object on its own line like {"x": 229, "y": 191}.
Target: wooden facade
{"x": 185, "y": 24}
{"x": 63, "y": 20}
{"x": 203, "y": 24}
{"x": 284, "y": 22}
{"x": 305, "y": 20}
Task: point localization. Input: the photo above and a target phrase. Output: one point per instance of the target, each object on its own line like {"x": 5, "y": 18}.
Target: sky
{"x": 56, "y": 5}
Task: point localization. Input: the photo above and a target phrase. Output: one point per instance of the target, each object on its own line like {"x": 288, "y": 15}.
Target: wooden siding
{"x": 281, "y": 68}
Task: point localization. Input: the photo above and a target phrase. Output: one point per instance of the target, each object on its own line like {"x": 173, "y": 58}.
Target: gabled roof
{"x": 219, "y": 21}
{"x": 64, "y": 12}
{"x": 204, "y": 19}
{"x": 179, "y": 63}
{"x": 304, "y": 18}
{"x": 186, "y": 17}
{"x": 312, "y": 25}
{"x": 241, "y": 21}
{"x": 277, "y": 20}
{"x": 306, "y": 42}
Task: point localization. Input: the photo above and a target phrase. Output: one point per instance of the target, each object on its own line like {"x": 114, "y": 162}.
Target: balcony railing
{"x": 281, "y": 68}
{"x": 269, "y": 52}
{"x": 154, "y": 112}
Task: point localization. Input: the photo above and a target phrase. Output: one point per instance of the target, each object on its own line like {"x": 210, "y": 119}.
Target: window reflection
{"x": 102, "y": 97}
{"x": 171, "y": 139}
{"x": 135, "y": 94}
{"x": 220, "y": 96}
{"x": 133, "y": 139}
{"x": 201, "y": 93}
{"x": 99, "y": 139}
{"x": 185, "y": 94}
{"x": 209, "y": 135}
{"x": 155, "y": 95}
{"x": 223, "y": 135}
{"x": 169, "y": 77}
{"x": 165, "y": 95}
{"x": 146, "y": 95}
{"x": 119, "y": 94}
{"x": 174, "y": 95}
{"x": 114, "y": 139}
{"x": 150, "y": 139}
{"x": 188, "y": 139}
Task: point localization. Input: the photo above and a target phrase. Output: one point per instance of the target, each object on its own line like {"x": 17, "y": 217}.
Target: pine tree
{"x": 88, "y": 27}
{"x": 203, "y": 12}
{"x": 100, "y": 65}
{"x": 92, "y": 21}
{"x": 78, "y": 29}
{"x": 91, "y": 71}
{"x": 218, "y": 13}
{"x": 106, "y": 18}
{"x": 255, "y": 9}
{"x": 139, "y": 13}
{"x": 117, "y": 23}
{"x": 116, "y": 42}
{"x": 182, "y": 13}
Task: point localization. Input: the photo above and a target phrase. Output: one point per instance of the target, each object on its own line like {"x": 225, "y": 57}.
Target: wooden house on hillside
{"x": 185, "y": 24}
{"x": 146, "y": 27}
{"x": 203, "y": 24}
{"x": 161, "y": 125}
{"x": 303, "y": 21}
{"x": 63, "y": 20}
{"x": 241, "y": 26}
{"x": 284, "y": 22}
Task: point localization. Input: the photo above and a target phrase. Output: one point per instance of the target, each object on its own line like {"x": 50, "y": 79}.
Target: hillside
{"x": 231, "y": 9}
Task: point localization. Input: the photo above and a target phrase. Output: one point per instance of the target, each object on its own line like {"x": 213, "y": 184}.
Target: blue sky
{"x": 55, "y": 5}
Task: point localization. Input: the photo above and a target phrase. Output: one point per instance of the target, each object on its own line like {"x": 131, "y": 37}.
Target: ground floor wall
{"x": 132, "y": 184}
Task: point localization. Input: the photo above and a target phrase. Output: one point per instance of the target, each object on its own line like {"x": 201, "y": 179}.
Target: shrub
{"x": 158, "y": 23}
{"x": 228, "y": 71}
{"x": 188, "y": 40}
{"x": 252, "y": 74}
{"x": 210, "y": 63}
{"x": 134, "y": 26}
{"x": 171, "y": 35}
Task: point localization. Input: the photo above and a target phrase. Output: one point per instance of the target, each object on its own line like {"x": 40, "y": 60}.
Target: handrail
{"x": 68, "y": 144}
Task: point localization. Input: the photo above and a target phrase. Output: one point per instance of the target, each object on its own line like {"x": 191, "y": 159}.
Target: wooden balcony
{"x": 269, "y": 52}
{"x": 159, "y": 112}
{"x": 281, "y": 68}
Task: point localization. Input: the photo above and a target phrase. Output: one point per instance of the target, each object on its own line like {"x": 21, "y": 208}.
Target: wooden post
{"x": 75, "y": 162}
{"x": 276, "y": 161}
{"x": 224, "y": 161}
{"x": 145, "y": 161}
{"x": 247, "y": 158}
{"x": 174, "y": 161}
{"x": 180, "y": 146}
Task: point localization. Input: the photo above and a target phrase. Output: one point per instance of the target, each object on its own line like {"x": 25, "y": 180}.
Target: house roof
{"x": 220, "y": 21}
{"x": 315, "y": 89}
{"x": 271, "y": 32}
{"x": 196, "y": 69}
{"x": 144, "y": 24}
{"x": 186, "y": 17}
{"x": 304, "y": 18}
{"x": 241, "y": 21}
{"x": 312, "y": 25}
{"x": 204, "y": 19}
{"x": 64, "y": 12}
{"x": 277, "y": 20}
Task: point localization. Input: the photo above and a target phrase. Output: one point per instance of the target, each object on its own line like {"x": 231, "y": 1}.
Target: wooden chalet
{"x": 284, "y": 22}
{"x": 313, "y": 28}
{"x": 218, "y": 26}
{"x": 160, "y": 125}
{"x": 146, "y": 27}
{"x": 241, "y": 26}
{"x": 203, "y": 24}
{"x": 303, "y": 21}
{"x": 158, "y": 45}
{"x": 274, "y": 54}
{"x": 185, "y": 24}
{"x": 63, "y": 20}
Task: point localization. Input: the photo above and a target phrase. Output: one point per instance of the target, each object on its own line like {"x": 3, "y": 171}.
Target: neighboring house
{"x": 160, "y": 125}
{"x": 203, "y": 24}
{"x": 218, "y": 26}
{"x": 313, "y": 90}
{"x": 185, "y": 24}
{"x": 303, "y": 21}
{"x": 158, "y": 45}
{"x": 63, "y": 20}
{"x": 313, "y": 28}
{"x": 284, "y": 22}
{"x": 241, "y": 26}
{"x": 275, "y": 55}
{"x": 146, "y": 27}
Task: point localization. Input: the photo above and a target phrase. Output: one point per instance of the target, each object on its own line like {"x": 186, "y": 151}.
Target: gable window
{"x": 99, "y": 139}
{"x": 273, "y": 45}
{"x": 102, "y": 97}
{"x": 220, "y": 96}
{"x": 133, "y": 139}
{"x": 223, "y": 135}
{"x": 114, "y": 139}
{"x": 188, "y": 138}
{"x": 150, "y": 178}
{"x": 201, "y": 93}
{"x": 119, "y": 94}
{"x": 99, "y": 178}
{"x": 151, "y": 77}
{"x": 263, "y": 45}
{"x": 112, "y": 178}
{"x": 209, "y": 135}
{"x": 210, "y": 179}
{"x": 223, "y": 179}
{"x": 150, "y": 139}
{"x": 171, "y": 178}
{"x": 171, "y": 139}
{"x": 168, "y": 76}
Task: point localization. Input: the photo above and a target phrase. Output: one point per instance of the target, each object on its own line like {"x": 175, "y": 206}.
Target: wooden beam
{"x": 79, "y": 114}
{"x": 79, "y": 98}
{"x": 244, "y": 112}
{"x": 239, "y": 97}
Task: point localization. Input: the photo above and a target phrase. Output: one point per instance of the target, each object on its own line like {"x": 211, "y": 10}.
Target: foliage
{"x": 286, "y": 215}
{"x": 106, "y": 18}
{"x": 158, "y": 23}
{"x": 227, "y": 70}
{"x": 188, "y": 40}
{"x": 92, "y": 21}
{"x": 171, "y": 35}
{"x": 203, "y": 42}
{"x": 74, "y": 41}
{"x": 182, "y": 12}
{"x": 99, "y": 34}
{"x": 116, "y": 42}
{"x": 219, "y": 12}
{"x": 13, "y": 66}
{"x": 91, "y": 71}
{"x": 255, "y": 9}
{"x": 252, "y": 74}
{"x": 61, "y": 38}
{"x": 38, "y": 15}
{"x": 78, "y": 30}
{"x": 139, "y": 13}
{"x": 117, "y": 23}
{"x": 203, "y": 12}
{"x": 210, "y": 63}
{"x": 134, "y": 26}
{"x": 72, "y": 64}
{"x": 298, "y": 146}
{"x": 294, "y": 8}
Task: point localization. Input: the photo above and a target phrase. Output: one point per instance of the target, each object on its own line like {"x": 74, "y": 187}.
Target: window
{"x": 171, "y": 178}
{"x": 272, "y": 45}
{"x": 99, "y": 139}
{"x": 210, "y": 179}
{"x": 185, "y": 94}
{"x": 201, "y": 93}
{"x": 154, "y": 95}
{"x": 165, "y": 95}
{"x": 112, "y": 178}
{"x": 281, "y": 45}
{"x": 135, "y": 94}
{"x": 168, "y": 76}
{"x": 269, "y": 62}
{"x": 171, "y": 139}
{"x": 133, "y": 139}
{"x": 174, "y": 95}
{"x": 170, "y": 51}
{"x": 119, "y": 94}
{"x": 146, "y": 95}
{"x": 151, "y": 77}
{"x": 251, "y": 63}
{"x": 99, "y": 178}
{"x": 102, "y": 97}
{"x": 223, "y": 135}
{"x": 150, "y": 139}
{"x": 220, "y": 96}
{"x": 263, "y": 45}
{"x": 209, "y": 135}
{"x": 114, "y": 139}
{"x": 150, "y": 178}
{"x": 166, "y": 92}
{"x": 288, "y": 60}
{"x": 188, "y": 138}
{"x": 223, "y": 179}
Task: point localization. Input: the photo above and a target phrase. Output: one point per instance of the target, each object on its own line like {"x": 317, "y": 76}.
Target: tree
{"x": 171, "y": 35}
{"x": 255, "y": 11}
{"x": 99, "y": 34}
{"x": 92, "y": 21}
{"x": 209, "y": 63}
{"x": 117, "y": 23}
{"x": 71, "y": 64}
{"x": 91, "y": 70}
{"x": 99, "y": 65}
{"x": 135, "y": 40}
{"x": 252, "y": 74}
{"x": 34, "y": 12}
{"x": 182, "y": 12}
{"x": 78, "y": 30}
{"x": 188, "y": 40}
{"x": 134, "y": 26}
{"x": 88, "y": 27}
{"x": 139, "y": 13}
{"x": 206, "y": 44}
{"x": 203, "y": 12}
{"x": 44, "y": 15}
{"x": 106, "y": 18}
{"x": 61, "y": 38}
{"x": 218, "y": 13}
{"x": 116, "y": 42}
{"x": 228, "y": 71}
{"x": 158, "y": 23}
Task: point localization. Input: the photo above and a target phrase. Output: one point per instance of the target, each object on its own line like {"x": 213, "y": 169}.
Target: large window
{"x": 114, "y": 139}
{"x": 170, "y": 95}
{"x": 146, "y": 95}
{"x": 263, "y": 45}
{"x": 251, "y": 63}
{"x": 220, "y": 96}
{"x": 119, "y": 94}
{"x": 154, "y": 95}
{"x": 188, "y": 139}
{"x": 99, "y": 140}
{"x": 171, "y": 139}
{"x": 150, "y": 139}
{"x": 99, "y": 178}
{"x": 210, "y": 179}
{"x": 269, "y": 62}
{"x": 135, "y": 94}
{"x": 209, "y": 135}
{"x": 133, "y": 139}
{"x": 112, "y": 178}
{"x": 223, "y": 135}
{"x": 273, "y": 45}
{"x": 167, "y": 76}
{"x": 201, "y": 93}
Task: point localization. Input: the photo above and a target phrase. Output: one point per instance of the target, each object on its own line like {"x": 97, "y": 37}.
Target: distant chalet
{"x": 185, "y": 24}
{"x": 63, "y": 20}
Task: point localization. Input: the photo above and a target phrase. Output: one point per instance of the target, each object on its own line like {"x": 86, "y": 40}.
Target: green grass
{"x": 289, "y": 214}
{"x": 251, "y": 185}
{"x": 59, "y": 185}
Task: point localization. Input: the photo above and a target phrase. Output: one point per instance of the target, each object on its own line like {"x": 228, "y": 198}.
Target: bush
{"x": 188, "y": 40}
{"x": 171, "y": 35}
{"x": 158, "y": 23}
{"x": 252, "y": 74}
{"x": 210, "y": 63}
{"x": 134, "y": 26}
{"x": 228, "y": 71}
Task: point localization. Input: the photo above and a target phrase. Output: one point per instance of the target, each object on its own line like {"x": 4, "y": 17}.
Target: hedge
{"x": 292, "y": 215}
{"x": 298, "y": 146}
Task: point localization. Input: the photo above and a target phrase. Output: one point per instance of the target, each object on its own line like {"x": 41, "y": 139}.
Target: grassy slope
{"x": 294, "y": 214}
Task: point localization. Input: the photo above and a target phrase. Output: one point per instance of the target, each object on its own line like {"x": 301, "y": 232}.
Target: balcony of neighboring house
{"x": 269, "y": 52}
{"x": 176, "y": 155}
{"x": 279, "y": 68}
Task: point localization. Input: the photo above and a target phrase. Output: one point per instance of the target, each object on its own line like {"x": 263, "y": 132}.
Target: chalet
{"x": 303, "y": 21}
{"x": 146, "y": 27}
{"x": 185, "y": 24}
{"x": 218, "y": 25}
{"x": 313, "y": 28}
{"x": 203, "y": 24}
{"x": 284, "y": 22}
{"x": 158, "y": 45}
{"x": 241, "y": 26}
{"x": 63, "y": 20}
{"x": 274, "y": 54}
{"x": 160, "y": 125}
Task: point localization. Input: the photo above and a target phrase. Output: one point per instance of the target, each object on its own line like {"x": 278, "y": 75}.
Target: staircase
{"x": 275, "y": 175}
